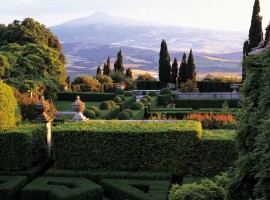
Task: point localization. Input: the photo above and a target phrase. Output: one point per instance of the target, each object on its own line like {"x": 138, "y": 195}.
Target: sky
{"x": 233, "y": 15}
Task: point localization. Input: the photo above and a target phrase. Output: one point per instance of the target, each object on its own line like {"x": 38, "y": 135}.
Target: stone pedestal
{"x": 78, "y": 106}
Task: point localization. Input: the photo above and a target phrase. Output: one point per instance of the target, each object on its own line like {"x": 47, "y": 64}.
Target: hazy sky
{"x": 212, "y": 14}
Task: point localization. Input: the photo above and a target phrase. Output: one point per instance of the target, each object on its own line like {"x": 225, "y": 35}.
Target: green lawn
{"x": 67, "y": 105}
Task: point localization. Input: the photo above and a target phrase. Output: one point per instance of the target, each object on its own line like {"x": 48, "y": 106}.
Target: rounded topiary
{"x": 124, "y": 116}
{"x": 147, "y": 97}
{"x": 96, "y": 110}
{"x": 128, "y": 94}
{"x": 105, "y": 105}
{"x": 137, "y": 106}
{"x": 152, "y": 94}
{"x": 90, "y": 114}
{"x": 128, "y": 111}
{"x": 9, "y": 110}
{"x": 113, "y": 104}
{"x": 119, "y": 91}
{"x": 165, "y": 91}
{"x": 117, "y": 99}
{"x": 144, "y": 100}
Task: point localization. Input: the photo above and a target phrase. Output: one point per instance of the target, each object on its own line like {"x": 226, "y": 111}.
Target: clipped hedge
{"x": 127, "y": 101}
{"x": 124, "y": 115}
{"x": 85, "y": 96}
{"x": 117, "y": 189}
{"x": 214, "y": 86}
{"x": 105, "y": 105}
{"x": 164, "y": 99}
{"x": 150, "y": 85}
{"x": 22, "y": 147}
{"x": 11, "y": 186}
{"x": 46, "y": 188}
{"x": 205, "y": 103}
{"x": 137, "y": 106}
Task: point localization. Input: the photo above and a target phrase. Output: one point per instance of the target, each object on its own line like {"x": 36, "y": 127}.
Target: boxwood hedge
{"x": 205, "y": 103}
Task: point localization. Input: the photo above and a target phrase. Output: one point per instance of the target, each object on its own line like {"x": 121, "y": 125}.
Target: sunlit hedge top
{"x": 134, "y": 127}
{"x": 9, "y": 112}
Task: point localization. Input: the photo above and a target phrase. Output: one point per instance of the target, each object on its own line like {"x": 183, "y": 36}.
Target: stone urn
{"x": 43, "y": 106}
{"x": 78, "y": 106}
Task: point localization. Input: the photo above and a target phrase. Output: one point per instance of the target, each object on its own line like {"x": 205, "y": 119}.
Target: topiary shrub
{"x": 90, "y": 114}
{"x": 9, "y": 110}
{"x": 137, "y": 106}
{"x": 117, "y": 99}
{"x": 124, "y": 115}
{"x": 144, "y": 100}
{"x": 128, "y": 111}
{"x": 119, "y": 91}
{"x": 113, "y": 104}
{"x": 105, "y": 105}
{"x": 147, "y": 97}
{"x": 165, "y": 91}
{"x": 128, "y": 94}
{"x": 96, "y": 110}
{"x": 152, "y": 94}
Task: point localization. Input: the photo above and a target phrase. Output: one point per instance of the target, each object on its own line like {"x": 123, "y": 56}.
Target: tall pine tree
{"x": 118, "y": 65}
{"x": 99, "y": 71}
{"x": 183, "y": 69}
{"x": 255, "y": 31}
{"x": 174, "y": 74}
{"x": 164, "y": 63}
{"x": 107, "y": 67}
{"x": 190, "y": 70}
{"x": 129, "y": 73}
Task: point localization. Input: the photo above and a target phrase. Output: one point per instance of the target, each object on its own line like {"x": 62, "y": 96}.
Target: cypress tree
{"x": 99, "y": 70}
{"x": 174, "y": 71}
{"x": 164, "y": 63}
{"x": 118, "y": 65}
{"x": 267, "y": 36}
{"x": 183, "y": 68}
{"x": 129, "y": 73}
{"x": 190, "y": 70}
{"x": 107, "y": 67}
{"x": 255, "y": 31}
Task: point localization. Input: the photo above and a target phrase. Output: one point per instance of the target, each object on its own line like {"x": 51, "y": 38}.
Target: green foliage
{"x": 164, "y": 99}
{"x": 103, "y": 79}
{"x": 117, "y": 99}
{"x": 90, "y": 84}
{"x": 85, "y": 96}
{"x": 146, "y": 77}
{"x": 57, "y": 188}
{"x": 147, "y": 97}
{"x": 90, "y": 114}
{"x": 10, "y": 186}
{"x": 128, "y": 94}
{"x": 118, "y": 65}
{"x": 113, "y": 104}
{"x": 165, "y": 91}
{"x": 144, "y": 100}
{"x": 164, "y": 72}
{"x": 124, "y": 115}
{"x": 214, "y": 86}
{"x": 189, "y": 86}
{"x": 9, "y": 110}
{"x": 119, "y": 91}
{"x": 117, "y": 189}
{"x": 174, "y": 74}
{"x": 137, "y": 106}
{"x": 129, "y": 73}
{"x": 107, "y": 67}
{"x": 99, "y": 72}
{"x": 105, "y": 105}
{"x": 22, "y": 147}
{"x": 129, "y": 112}
{"x": 183, "y": 69}
{"x": 96, "y": 110}
{"x": 118, "y": 77}
{"x": 190, "y": 70}
{"x": 152, "y": 94}
{"x": 205, "y": 103}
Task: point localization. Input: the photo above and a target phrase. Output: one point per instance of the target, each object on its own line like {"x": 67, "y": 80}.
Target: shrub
{"x": 113, "y": 104}
{"x": 136, "y": 189}
{"x": 152, "y": 94}
{"x": 61, "y": 188}
{"x": 165, "y": 91}
{"x": 146, "y": 77}
{"x": 189, "y": 86}
{"x": 90, "y": 83}
{"x": 128, "y": 94}
{"x": 95, "y": 109}
{"x": 164, "y": 99}
{"x": 137, "y": 106}
{"x": 90, "y": 114}
{"x": 103, "y": 79}
{"x": 105, "y": 105}
{"x": 117, "y": 99}
{"x": 144, "y": 100}
{"x": 11, "y": 186}
{"x": 119, "y": 91}
{"x": 9, "y": 110}
{"x": 124, "y": 115}
{"x": 147, "y": 97}
{"x": 129, "y": 111}
{"x": 22, "y": 147}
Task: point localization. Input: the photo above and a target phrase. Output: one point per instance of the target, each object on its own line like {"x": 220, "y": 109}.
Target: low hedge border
{"x": 11, "y": 186}
{"x": 96, "y": 176}
{"x": 205, "y": 103}
{"x": 22, "y": 147}
{"x": 138, "y": 114}
{"x": 128, "y": 101}
{"x": 117, "y": 189}
{"x": 164, "y": 99}
{"x": 57, "y": 188}
{"x": 173, "y": 114}
{"x": 85, "y": 96}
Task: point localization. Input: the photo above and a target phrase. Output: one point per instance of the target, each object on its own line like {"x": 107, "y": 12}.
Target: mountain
{"x": 88, "y": 41}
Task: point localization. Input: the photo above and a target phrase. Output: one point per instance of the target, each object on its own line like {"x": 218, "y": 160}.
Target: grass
{"x": 67, "y": 105}
{"x": 219, "y": 134}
